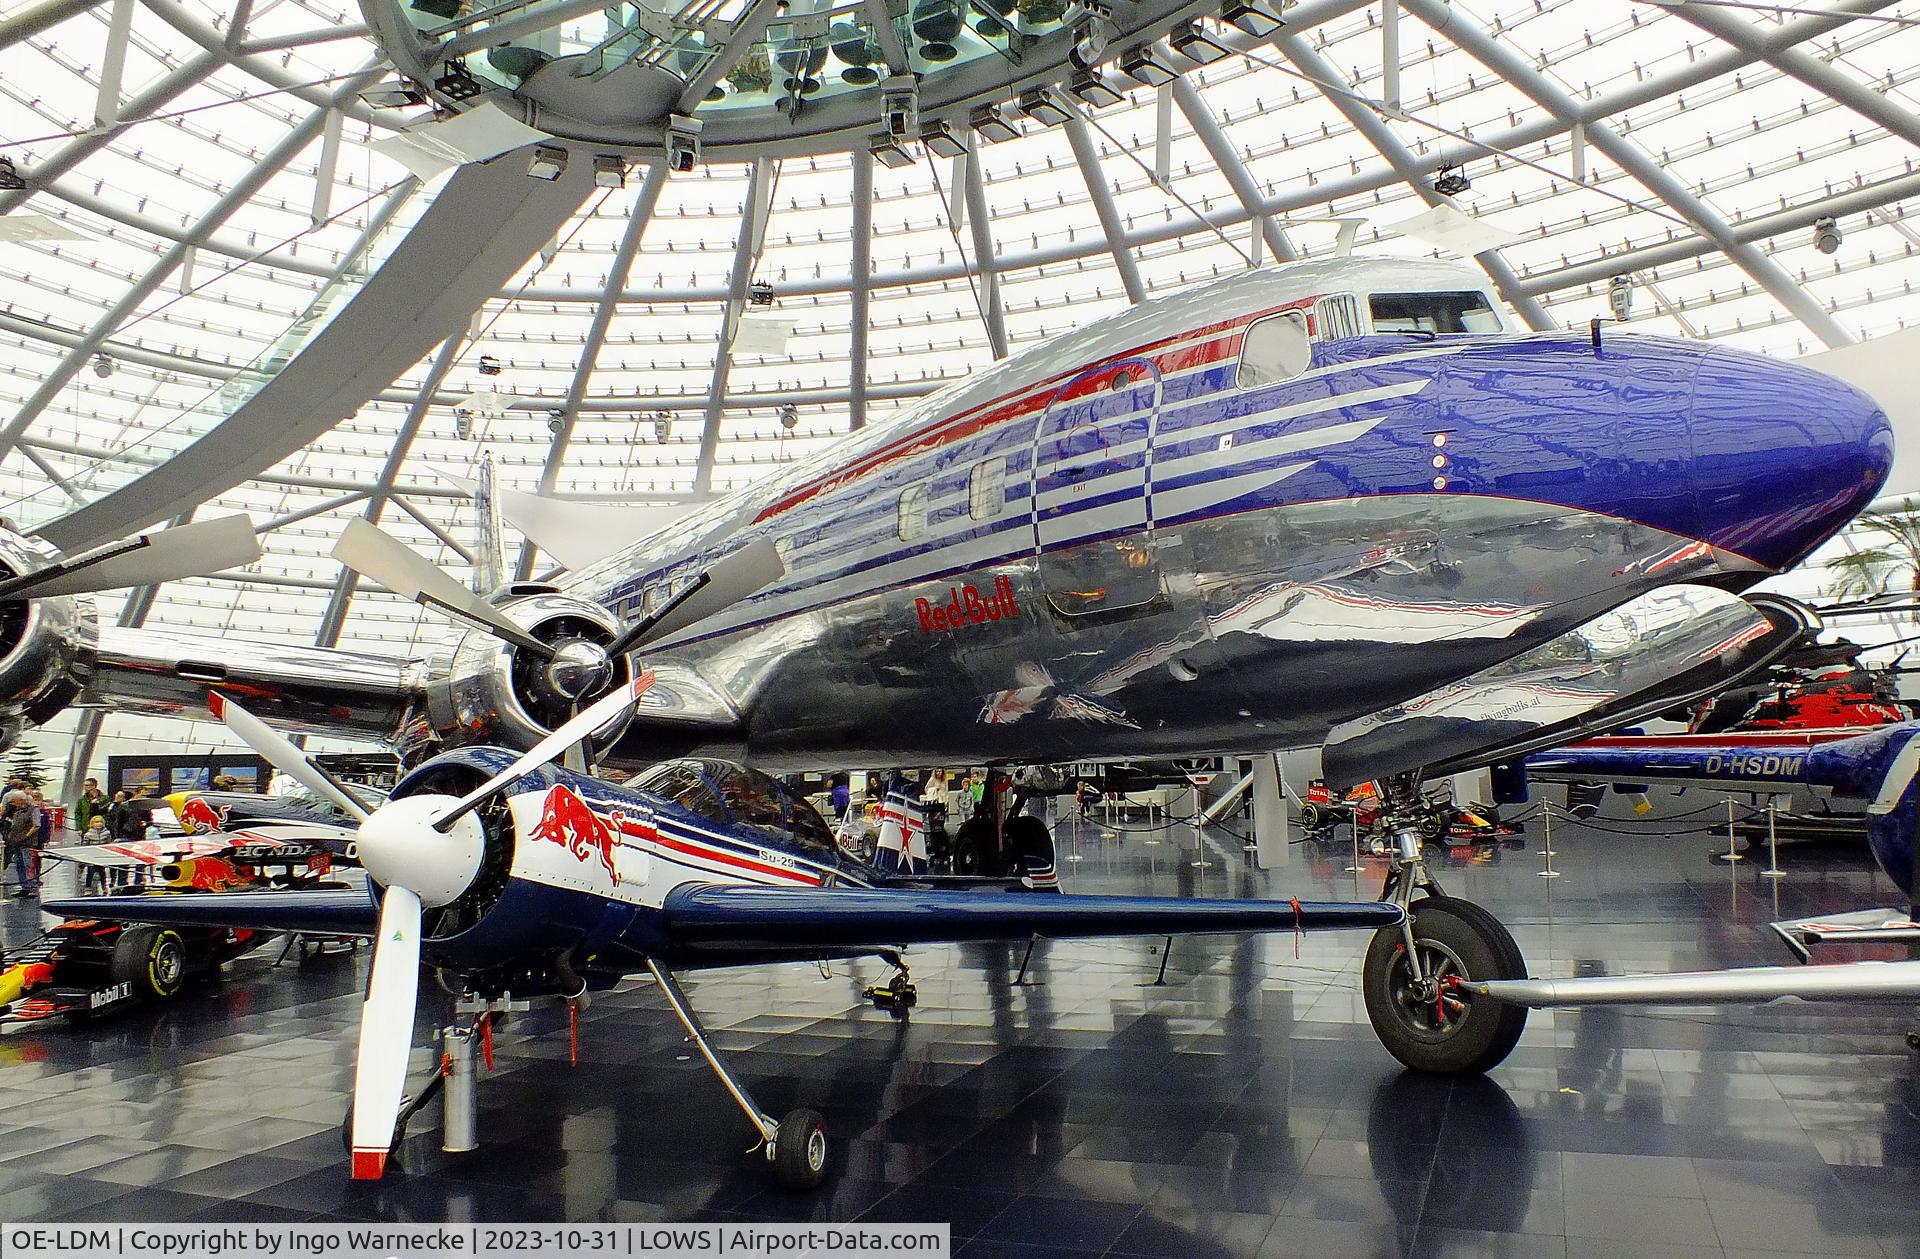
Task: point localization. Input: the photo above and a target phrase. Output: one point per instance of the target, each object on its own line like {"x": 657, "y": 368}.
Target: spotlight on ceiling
{"x": 1094, "y": 89}
{"x": 1256, "y": 19}
{"x": 993, "y": 124}
{"x": 789, "y": 417}
{"x": 1826, "y": 235}
{"x": 1196, "y": 45}
{"x": 662, "y": 426}
{"x": 1041, "y": 105}
{"x": 888, "y": 152}
{"x": 1451, "y": 182}
{"x": 609, "y": 171}
{"x": 1092, "y": 28}
{"x": 1142, "y": 66}
{"x": 942, "y": 140}
{"x": 1620, "y": 296}
{"x": 683, "y": 143}
{"x": 760, "y": 294}
{"x": 900, "y": 105}
{"x": 547, "y": 163}
{"x": 102, "y": 366}
{"x": 456, "y": 83}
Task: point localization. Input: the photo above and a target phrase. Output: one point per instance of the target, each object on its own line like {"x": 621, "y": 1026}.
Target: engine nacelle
{"x": 48, "y": 646}
{"x": 495, "y": 692}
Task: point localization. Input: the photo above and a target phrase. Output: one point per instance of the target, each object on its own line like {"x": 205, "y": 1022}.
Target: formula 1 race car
{"x": 82, "y": 967}
{"x": 1321, "y": 813}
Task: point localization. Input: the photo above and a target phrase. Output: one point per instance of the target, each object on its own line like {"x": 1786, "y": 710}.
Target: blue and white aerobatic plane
{"x": 1337, "y": 505}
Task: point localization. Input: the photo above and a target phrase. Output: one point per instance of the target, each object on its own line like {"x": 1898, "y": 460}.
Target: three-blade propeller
{"x": 426, "y": 849}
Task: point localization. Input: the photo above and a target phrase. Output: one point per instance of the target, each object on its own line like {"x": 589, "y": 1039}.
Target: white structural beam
{"x": 30, "y": 21}
{"x": 1811, "y": 70}
{"x": 1239, "y": 178}
{"x": 235, "y": 197}
{"x": 992, "y": 313}
{"x": 1520, "y": 74}
{"x": 860, "y": 286}
{"x": 746, "y": 252}
{"x": 39, "y": 176}
{"x": 1405, "y": 164}
{"x": 113, "y": 63}
{"x": 1087, "y": 154}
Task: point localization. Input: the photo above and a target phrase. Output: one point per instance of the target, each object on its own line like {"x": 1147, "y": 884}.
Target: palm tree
{"x": 1871, "y": 570}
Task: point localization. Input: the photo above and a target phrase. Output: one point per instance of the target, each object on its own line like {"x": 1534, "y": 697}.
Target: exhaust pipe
{"x": 1756, "y": 985}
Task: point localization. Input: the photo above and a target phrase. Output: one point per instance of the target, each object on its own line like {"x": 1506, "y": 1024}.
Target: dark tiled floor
{"x": 1243, "y": 1109}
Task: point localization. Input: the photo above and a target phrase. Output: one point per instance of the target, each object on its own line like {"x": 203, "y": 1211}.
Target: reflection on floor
{"x": 1242, "y": 1109}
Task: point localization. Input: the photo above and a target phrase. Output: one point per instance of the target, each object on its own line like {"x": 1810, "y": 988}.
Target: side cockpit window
{"x": 1433, "y": 312}
{"x": 1275, "y": 349}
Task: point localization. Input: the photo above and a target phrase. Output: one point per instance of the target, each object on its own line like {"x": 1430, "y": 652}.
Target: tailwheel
{"x": 896, "y": 996}
{"x": 1421, "y": 1014}
{"x": 799, "y": 1150}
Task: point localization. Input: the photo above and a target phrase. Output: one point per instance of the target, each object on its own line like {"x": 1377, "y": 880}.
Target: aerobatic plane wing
{"x": 1863, "y": 926}
{"x": 735, "y": 919}
{"x": 327, "y": 911}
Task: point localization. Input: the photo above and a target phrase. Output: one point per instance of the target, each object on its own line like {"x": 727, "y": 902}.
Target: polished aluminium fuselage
{"x": 1176, "y": 563}
{"x": 1115, "y": 543}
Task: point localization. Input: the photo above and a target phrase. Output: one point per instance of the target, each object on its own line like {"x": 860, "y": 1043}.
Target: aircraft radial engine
{"x": 48, "y": 643}
{"x": 516, "y": 693}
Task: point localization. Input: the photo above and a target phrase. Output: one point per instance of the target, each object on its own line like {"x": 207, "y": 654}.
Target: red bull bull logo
{"x": 198, "y": 815}
{"x": 566, "y": 820}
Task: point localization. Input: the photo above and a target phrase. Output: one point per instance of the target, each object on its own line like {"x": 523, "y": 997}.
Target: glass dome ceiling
{"x": 193, "y": 191}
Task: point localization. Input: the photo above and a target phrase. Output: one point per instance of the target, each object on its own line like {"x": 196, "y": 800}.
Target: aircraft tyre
{"x": 973, "y": 848}
{"x": 800, "y": 1150}
{"x": 1456, "y": 1036}
{"x": 152, "y": 959}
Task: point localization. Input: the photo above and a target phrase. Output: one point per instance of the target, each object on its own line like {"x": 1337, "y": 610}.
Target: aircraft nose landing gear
{"x": 1413, "y": 974}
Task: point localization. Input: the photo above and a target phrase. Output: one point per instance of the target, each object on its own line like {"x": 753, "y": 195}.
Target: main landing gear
{"x": 797, "y": 1144}
{"x": 1414, "y": 974}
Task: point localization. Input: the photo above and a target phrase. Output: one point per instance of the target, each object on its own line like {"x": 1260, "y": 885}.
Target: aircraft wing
{"x": 734, "y": 918}
{"x": 341, "y": 911}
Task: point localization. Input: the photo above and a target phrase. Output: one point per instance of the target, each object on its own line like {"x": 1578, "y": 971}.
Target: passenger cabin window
{"x": 987, "y": 489}
{"x": 1432, "y": 312}
{"x": 1275, "y": 349}
{"x": 913, "y": 513}
{"x": 683, "y": 784}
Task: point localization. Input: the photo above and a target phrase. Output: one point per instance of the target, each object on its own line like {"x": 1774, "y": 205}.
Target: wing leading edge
{"x": 344, "y": 911}
{"x": 733, "y": 918}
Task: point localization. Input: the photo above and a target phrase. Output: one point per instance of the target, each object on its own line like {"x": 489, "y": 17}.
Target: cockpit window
{"x": 752, "y": 799}
{"x": 1432, "y": 312}
{"x": 1275, "y": 349}
{"x": 682, "y": 783}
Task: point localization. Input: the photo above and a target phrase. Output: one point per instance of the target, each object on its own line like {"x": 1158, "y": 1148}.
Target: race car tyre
{"x": 974, "y": 851}
{"x": 800, "y": 1150}
{"x": 1310, "y": 819}
{"x": 152, "y": 959}
{"x": 1427, "y": 1027}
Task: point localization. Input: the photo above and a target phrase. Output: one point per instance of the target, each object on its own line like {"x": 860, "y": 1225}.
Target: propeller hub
{"x": 400, "y": 847}
{"x": 579, "y": 668}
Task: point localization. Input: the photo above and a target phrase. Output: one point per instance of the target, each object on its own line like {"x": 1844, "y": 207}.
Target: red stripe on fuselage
{"x": 654, "y": 835}
{"x": 1219, "y": 343}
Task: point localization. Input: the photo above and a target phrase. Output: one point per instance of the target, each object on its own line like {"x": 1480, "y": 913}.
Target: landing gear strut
{"x": 1413, "y": 974}
{"x": 797, "y": 1144}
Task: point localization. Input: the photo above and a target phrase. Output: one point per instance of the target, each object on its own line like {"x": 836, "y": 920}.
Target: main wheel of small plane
{"x": 973, "y": 848}
{"x": 1030, "y": 845}
{"x": 1426, "y": 1024}
{"x": 800, "y": 1150}
{"x": 153, "y": 960}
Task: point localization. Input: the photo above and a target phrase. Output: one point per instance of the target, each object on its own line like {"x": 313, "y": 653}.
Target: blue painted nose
{"x": 1784, "y": 456}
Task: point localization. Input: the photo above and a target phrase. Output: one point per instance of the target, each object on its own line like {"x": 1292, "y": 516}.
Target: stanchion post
{"x": 1773, "y": 870}
{"x": 1733, "y": 853}
{"x": 1546, "y": 808}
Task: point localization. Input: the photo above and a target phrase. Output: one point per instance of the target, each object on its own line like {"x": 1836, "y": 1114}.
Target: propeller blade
{"x": 386, "y": 1032}
{"x": 373, "y": 553}
{"x": 728, "y": 581}
{"x": 279, "y": 751}
{"x": 192, "y": 550}
{"x": 606, "y": 709}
